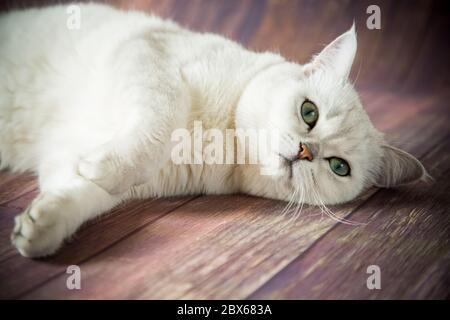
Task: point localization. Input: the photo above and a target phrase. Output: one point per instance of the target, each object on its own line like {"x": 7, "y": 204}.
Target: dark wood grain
{"x": 241, "y": 247}
{"x": 18, "y": 275}
{"x": 6, "y": 224}
{"x": 224, "y": 246}
{"x": 13, "y": 186}
{"x": 407, "y": 236}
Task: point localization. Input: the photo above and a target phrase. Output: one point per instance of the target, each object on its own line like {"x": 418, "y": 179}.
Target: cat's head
{"x": 328, "y": 149}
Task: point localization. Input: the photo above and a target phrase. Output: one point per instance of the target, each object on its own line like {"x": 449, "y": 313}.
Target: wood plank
{"x": 430, "y": 69}
{"x": 203, "y": 250}
{"x": 408, "y": 237}
{"x": 6, "y": 224}
{"x": 18, "y": 274}
{"x": 15, "y": 185}
{"x": 223, "y": 247}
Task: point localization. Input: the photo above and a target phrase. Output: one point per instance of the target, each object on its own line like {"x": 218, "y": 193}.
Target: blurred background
{"x": 410, "y": 51}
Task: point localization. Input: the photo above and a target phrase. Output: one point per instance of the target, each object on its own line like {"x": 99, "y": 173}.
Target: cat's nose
{"x": 304, "y": 152}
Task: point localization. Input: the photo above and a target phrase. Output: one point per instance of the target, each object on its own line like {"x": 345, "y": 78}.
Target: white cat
{"x": 91, "y": 112}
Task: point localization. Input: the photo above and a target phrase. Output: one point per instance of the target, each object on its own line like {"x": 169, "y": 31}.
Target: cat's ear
{"x": 398, "y": 168}
{"x": 337, "y": 57}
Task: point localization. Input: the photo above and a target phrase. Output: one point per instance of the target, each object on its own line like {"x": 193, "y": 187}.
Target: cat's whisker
{"x": 299, "y": 208}
{"x": 289, "y": 205}
{"x": 294, "y": 213}
{"x": 335, "y": 217}
{"x": 330, "y": 213}
{"x": 359, "y": 71}
{"x": 287, "y": 223}
{"x": 301, "y": 200}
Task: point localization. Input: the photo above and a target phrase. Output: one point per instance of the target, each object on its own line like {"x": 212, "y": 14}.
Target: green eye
{"x": 310, "y": 114}
{"x": 339, "y": 166}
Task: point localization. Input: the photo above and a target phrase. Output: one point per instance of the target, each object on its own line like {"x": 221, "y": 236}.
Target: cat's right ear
{"x": 337, "y": 57}
{"x": 398, "y": 168}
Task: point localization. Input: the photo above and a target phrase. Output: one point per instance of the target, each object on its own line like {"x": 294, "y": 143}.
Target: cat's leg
{"x": 65, "y": 202}
{"x": 156, "y": 102}
{"x": 133, "y": 155}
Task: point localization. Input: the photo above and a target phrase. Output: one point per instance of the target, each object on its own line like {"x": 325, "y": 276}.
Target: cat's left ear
{"x": 398, "y": 168}
{"x": 338, "y": 56}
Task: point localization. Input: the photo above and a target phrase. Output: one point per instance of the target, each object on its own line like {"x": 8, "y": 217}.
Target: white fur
{"x": 91, "y": 112}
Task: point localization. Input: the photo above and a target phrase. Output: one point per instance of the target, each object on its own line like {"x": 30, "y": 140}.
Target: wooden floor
{"x": 241, "y": 246}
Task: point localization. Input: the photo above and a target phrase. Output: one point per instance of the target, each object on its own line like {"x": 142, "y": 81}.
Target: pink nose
{"x": 304, "y": 153}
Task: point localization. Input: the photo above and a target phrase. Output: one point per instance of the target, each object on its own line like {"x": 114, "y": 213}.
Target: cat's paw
{"x": 38, "y": 230}
{"x": 108, "y": 174}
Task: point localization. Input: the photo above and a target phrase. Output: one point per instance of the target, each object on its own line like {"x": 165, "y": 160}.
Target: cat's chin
{"x": 287, "y": 167}
{"x": 286, "y": 172}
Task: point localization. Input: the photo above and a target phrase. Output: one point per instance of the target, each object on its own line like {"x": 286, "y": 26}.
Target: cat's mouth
{"x": 287, "y": 163}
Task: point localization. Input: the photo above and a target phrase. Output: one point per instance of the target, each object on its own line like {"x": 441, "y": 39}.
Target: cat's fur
{"x": 91, "y": 112}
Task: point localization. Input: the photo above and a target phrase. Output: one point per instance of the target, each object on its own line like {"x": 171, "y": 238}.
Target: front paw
{"x": 105, "y": 172}
{"x": 38, "y": 231}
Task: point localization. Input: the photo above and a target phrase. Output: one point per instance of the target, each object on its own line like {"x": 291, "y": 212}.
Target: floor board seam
{"x": 37, "y": 286}
{"x": 17, "y": 197}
